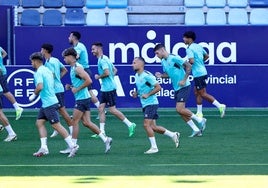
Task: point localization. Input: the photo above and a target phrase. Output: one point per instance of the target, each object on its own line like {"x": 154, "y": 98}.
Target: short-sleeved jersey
{"x": 55, "y": 66}
{"x": 83, "y": 55}
{"x": 77, "y": 82}
{"x": 197, "y": 52}
{"x": 145, "y": 83}
{"x": 2, "y": 66}
{"x": 47, "y": 94}
{"x": 107, "y": 83}
{"x": 173, "y": 67}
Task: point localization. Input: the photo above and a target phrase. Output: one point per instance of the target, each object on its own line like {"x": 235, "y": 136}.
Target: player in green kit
{"x": 147, "y": 87}
{"x": 80, "y": 80}
{"x": 178, "y": 71}
{"x": 58, "y": 70}
{"x": 106, "y": 74}
{"x": 197, "y": 55}
{"x": 44, "y": 83}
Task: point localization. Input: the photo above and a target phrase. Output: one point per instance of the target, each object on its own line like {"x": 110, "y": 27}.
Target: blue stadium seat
{"x": 216, "y": 17}
{"x": 194, "y": 17}
{"x": 258, "y": 3}
{"x": 10, "y": 2}
{"x": 74, "y": 16}
{"x": 117, "y": 3}
{"x": 194, "y": 3}
{"x": 30, "y": 18}
{"x": 216, "y": 3}
{"x": 31, "y": 3}
{"x": 258, "y": 16}
{"x": 118, "y": 17}
{"x": 52, "y": 18}
{"x": 238, "y": 16}
{"x": 74, "y": 3}
{"x": 52, "y": 3}
{"x": 237, "y": 4}
{"x": 96, "y": 17}
{"x": 94, "y": 4}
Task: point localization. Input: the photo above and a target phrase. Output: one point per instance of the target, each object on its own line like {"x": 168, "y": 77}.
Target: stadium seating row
{"x": 74, "y": 16}
{"x": 236, "y": 16}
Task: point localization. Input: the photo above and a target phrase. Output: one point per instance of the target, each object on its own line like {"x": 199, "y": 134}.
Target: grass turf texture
{"x": 234, "y": 145}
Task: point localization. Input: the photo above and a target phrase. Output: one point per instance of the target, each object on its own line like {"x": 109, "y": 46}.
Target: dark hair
{"x": 48, "y": 47}
{"x": 69, "y": 51}
{"x": 159, "y": 46}
{"x": 76, "y": 34}
{"x": 141, "y": 59}
{"x": 190, "y": 34}
{"x": 36, "y": 56}
{"x": 99, "y": 44}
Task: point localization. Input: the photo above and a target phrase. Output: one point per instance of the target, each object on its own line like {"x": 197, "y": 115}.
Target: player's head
{"x": 189, "y": 37}
{"x": 36, "y": 59}
{"x": 160, "y": 51}
{"x": 74, "y": 37}
{"x": 46, "y": 48}
{"x": 97, "y": 49}
{"x": 138, "y": 64}
{"x": 69, "y": 55}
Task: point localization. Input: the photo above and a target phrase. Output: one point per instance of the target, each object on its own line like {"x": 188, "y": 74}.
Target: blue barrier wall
{"x": 237, "y": 65}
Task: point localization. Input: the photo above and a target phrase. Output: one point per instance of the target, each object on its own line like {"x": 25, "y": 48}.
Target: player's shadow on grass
{"x": 87, "y": 180}
{"x": 189, "y": 181}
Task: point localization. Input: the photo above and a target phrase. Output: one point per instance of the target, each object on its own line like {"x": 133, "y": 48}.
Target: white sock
{"x": 43, "y": 142}
{"x": 74, "y": 141}
{"x": 153, "y": 142}
{"x": 196, "y": 118}
{"x": 10, "y": 130}
{"x": 127, "y": 122}
{"x": 169, "y": 133}
{"x": 71, "y": 130}
{"x": 199, "y": 108}
{"x": 102, "y": 127}
{"x": 69, "y": 141}
{"x": 16, "y": 105}
{"x": 103, "y": 137}
{"x": 97, "y": 104}
{"x": 216, "y": 103}
{"x": 192, "y": 125}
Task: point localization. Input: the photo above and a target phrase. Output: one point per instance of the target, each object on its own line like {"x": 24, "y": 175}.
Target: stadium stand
{"x": 95, "y": 4}
{"x": 237, "y": 3}
{"x": 74, "y": 16}
{"x": 31, "y": 3}
{"x": 215, "y": 3}
{"x": 96, "y": 17}
{"x": 216, "y": 17}
{"x": 117, "y": 3}
{"x": 52, "y": 18}
{"x": 194, "y": 3}
{"x": 258, "y": 16}
{"x": 238, "y": 16}
{"x": 52, "y": 3}
{"x": 74, "y": 3}
{"x": 258, "y": 3}
{"x": 117, "y": 17}
{"x": 194, "y": 17}
{"x": 10, "y": 2}
{"x": 30, "y": 18}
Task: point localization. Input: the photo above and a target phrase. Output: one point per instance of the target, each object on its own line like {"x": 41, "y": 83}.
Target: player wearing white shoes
{"x": 58, "y": 70}
{"x": 147, "y": 87}
{"x": 44, "y": 83}
{"x": 106, "y": 73}
{"x": 11, "y": 134}
{"x": 197, "y": 56}
{"x": 178, "y": 71}
{"x": 4, "y": 84}
{"x": 80, "y": 80}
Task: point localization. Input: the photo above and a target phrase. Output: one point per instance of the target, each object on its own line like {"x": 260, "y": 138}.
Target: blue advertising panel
{"x": 236, "y": 67}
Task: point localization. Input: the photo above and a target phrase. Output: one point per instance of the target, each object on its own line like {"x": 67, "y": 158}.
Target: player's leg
{"x": 11, "y": 134}
{"x": 199, "y": 105}
{"x": 40, "y": 124}
{"x": 150, "y": 133}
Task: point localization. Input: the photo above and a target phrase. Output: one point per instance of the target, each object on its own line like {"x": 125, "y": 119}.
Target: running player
{"x": 197, "y": 56}
{"x": 178, "y": 71}
{"x": 107, "y": 71}
{"x": 147, "y": 87}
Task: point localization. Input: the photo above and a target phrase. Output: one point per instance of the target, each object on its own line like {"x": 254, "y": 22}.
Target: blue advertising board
{"x": 236, "y": 68}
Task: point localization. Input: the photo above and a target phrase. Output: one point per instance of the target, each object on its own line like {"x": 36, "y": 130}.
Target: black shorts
{"x": 109, "y": 98}
{"x": 3, "y": 83}
{"x": 1, "y": 102}
{"x": 82, "y": 105}
{"x": 182, "y": 94}
{"x": 88, "y": 71}
{"x": 60, "y": 97}
{"x": 150, "y": 112}
{"x": 49, "y": 113}
{"x": 200, "y": 82}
